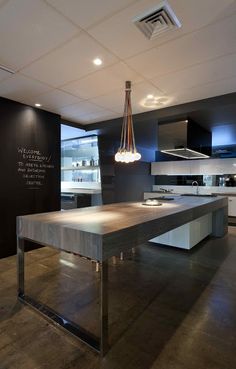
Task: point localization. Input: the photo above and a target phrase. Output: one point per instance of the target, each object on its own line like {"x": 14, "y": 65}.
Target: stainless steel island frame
{"x": 102, "y": 232}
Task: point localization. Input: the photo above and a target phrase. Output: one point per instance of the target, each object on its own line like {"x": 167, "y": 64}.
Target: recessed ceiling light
{"x": 97, "y": 61}
{"x": 38, "y": 105}
{"x": 154, "y": 101}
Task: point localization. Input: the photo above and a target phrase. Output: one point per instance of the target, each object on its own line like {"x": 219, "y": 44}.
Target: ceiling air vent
{"x": 6, "y": 69}
{"x": 157, "y": 20}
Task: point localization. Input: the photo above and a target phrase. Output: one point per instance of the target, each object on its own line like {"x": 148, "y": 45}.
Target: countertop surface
{"x": 164, "y": 192}
{"x": 225, "y": 193}
{"x": 114, "y": 217}
{"x": 200, "y": 192}
{"x": 87, "y": 230}
{"x": 80, "y": 191}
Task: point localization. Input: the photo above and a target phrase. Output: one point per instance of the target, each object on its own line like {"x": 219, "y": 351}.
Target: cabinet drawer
{"x": 232, "y": 206}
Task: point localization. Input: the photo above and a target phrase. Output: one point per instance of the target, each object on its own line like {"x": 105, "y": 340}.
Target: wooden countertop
{"x": 102, "y": 231}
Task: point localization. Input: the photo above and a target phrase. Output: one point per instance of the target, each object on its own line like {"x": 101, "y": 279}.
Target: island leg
{"x": 104, "y": 346}
{"x": 20, "y": 267}
{"x": 220, "y": 222}
{"x": 99, "y": 344}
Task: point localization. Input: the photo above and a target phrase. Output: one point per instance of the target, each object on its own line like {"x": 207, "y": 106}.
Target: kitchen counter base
{"x": 188, "y": 235}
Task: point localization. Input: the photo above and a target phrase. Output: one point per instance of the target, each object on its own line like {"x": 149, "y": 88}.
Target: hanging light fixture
{"x": 127, "y": 152}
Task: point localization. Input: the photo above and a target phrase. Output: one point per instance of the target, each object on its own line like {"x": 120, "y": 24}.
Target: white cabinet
{"x": 161, "y": 168}
{"x": 171, "y": 168}
{"x": 197, "y": 167}
{"x": 232, "y": 206}
{"x": 188, "y": 235}
{"x": 181, "y": 167}
{"x": 213, "y": 166}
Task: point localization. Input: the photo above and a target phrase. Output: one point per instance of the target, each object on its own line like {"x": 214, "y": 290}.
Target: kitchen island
{"x": 101, "y": 232}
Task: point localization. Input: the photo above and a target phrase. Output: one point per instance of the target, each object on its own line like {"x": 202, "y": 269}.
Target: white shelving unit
{"x": 84, "y": 167}
{"x": 76, "y": 157}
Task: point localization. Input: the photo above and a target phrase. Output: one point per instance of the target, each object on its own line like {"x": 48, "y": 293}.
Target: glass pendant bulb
{"x": 127, "y": 152}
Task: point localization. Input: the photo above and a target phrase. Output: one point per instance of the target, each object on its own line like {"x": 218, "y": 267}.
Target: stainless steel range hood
{"x": 185, "y": 139}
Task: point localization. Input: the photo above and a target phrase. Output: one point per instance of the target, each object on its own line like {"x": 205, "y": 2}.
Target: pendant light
{"x": 127, "y": 152}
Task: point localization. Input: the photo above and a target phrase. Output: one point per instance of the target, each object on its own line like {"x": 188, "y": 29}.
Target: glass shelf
{"x": 85, "y": 167}
{"x": 80, "y": 160}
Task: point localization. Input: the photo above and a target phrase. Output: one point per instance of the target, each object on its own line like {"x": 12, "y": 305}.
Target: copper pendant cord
{"x": 127, "y": 151}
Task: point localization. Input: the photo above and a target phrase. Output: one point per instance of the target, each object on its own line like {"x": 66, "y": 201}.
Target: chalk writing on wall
{"x": 33, "y": 167}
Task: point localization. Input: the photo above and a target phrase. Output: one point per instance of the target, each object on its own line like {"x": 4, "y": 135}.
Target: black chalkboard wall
{"x": 29, "y": 166}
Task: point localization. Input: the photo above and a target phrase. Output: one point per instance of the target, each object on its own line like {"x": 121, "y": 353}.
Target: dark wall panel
{"x": 132, "y": 180}
{"x": 106, "y": 147}
{"x": 120, "y": 181}
{"x": 30, "y": 166}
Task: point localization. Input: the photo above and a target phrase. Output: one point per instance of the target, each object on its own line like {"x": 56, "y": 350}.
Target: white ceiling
{"x": 51, "y": 45}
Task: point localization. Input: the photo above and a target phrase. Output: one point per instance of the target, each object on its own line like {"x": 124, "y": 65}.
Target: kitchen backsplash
{"x": 190, "y": 189}
{"x": 226, "y": 180}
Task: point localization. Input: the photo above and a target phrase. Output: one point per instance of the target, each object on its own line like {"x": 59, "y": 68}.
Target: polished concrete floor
{"x": 169, "y": 309}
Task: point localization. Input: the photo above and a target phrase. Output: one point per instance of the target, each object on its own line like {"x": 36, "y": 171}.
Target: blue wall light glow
{"x": 68, "y": 132}
{"x": 147, "y": 155}
{"x": 224, "y": 135}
